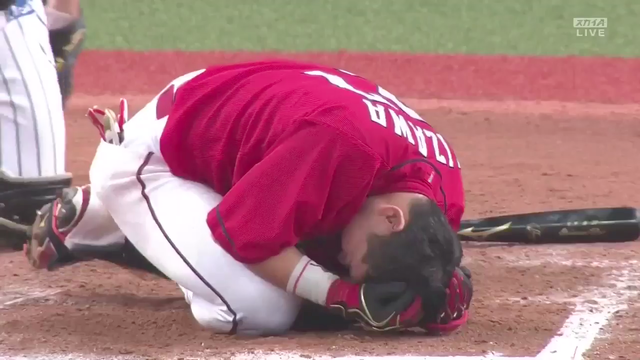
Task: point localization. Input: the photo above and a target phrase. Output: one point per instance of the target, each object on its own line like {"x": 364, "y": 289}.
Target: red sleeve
{"x": 307, "y": 183}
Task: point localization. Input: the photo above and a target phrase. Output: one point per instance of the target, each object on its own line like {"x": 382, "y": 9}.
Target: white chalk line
{"x": 16, "y": 296}
{"x": 592, "y": 313}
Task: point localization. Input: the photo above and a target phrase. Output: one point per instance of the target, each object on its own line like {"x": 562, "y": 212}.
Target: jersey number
{"x": 377, "y": 112}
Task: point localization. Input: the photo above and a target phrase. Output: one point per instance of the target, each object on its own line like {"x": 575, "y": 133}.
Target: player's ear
{"x": 393, "y": 217}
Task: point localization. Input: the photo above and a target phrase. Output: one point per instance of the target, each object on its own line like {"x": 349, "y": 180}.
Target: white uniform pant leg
{"x": 164, "y": 217}
{"x": 32, "y": 132}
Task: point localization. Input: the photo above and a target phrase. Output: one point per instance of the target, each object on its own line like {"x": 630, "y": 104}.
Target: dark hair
{"x": 424, "y": 254}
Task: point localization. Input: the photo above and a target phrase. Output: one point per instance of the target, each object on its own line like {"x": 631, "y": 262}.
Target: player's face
{"x": 375, "y": 218}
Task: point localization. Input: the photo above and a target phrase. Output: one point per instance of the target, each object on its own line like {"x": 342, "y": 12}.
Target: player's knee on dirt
{"x": 269, "y": 314}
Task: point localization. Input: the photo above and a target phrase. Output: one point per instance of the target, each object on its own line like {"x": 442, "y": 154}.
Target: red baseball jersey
{"x": 295, "y": 149}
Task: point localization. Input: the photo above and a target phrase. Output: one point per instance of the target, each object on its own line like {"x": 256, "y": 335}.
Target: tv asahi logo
{"x": 593, "y": 27}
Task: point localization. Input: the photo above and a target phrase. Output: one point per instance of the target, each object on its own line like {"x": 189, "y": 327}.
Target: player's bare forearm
{"x": 278, "y": 269}
{"x": 297, "y": 274}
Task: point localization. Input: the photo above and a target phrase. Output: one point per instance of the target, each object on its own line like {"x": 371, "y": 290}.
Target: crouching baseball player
{"x": 218, "y": 179}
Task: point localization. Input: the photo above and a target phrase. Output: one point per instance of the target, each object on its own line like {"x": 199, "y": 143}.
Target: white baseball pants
{"x": 164, "y": 217}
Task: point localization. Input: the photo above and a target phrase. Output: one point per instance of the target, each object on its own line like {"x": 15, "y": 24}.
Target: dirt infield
{"x": 531, "y": 302}
{"x": 513, "y": 162}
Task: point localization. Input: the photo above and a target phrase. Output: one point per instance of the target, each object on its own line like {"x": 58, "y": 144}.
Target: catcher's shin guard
{"x": 20, "y": 198}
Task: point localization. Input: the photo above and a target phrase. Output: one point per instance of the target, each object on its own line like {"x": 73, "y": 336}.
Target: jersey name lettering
{"x": 427, "y": 141}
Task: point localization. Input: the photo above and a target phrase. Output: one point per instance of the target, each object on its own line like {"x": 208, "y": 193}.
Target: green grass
{"x": 531, "y": 27}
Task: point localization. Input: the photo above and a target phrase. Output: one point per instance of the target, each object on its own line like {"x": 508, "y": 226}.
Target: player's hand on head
{"x": 455, "y": 312}
{"x": 377, "y": 306}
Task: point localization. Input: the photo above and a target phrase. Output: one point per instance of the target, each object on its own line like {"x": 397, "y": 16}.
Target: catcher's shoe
{"x": 54, "y": 222}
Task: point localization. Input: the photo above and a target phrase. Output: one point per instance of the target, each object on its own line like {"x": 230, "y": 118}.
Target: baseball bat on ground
{"x": 619, "y": 224}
